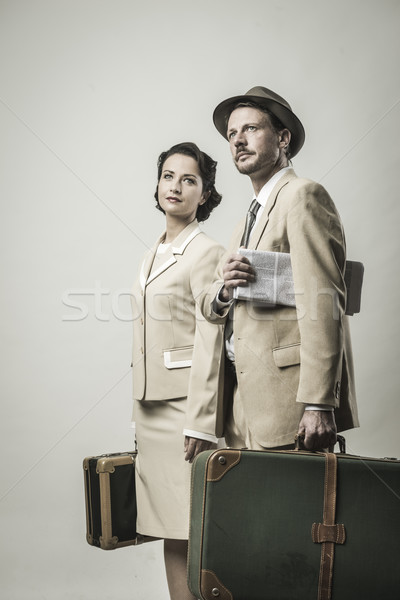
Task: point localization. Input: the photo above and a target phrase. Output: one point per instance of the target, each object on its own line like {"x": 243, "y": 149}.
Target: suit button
{"x": 141, "y": 349}
{"x": 141, "y": 321}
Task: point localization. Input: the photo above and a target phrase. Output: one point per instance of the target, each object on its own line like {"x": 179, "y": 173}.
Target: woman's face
{"x": 180, "y": 189}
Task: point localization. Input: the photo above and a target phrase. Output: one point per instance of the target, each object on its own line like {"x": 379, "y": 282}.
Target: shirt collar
{"x": 265, "y": 191}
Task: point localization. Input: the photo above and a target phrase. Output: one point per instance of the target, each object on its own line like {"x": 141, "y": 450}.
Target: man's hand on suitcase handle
{"x": 318, "y": 427}
{"x": 193, "y": 447}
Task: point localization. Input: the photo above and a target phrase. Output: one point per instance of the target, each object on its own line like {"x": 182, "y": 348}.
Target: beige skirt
{"x": 162, "y": 474}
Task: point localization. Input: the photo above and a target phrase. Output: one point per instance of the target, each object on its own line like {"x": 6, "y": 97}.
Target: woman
{"x": 176, "y": 356}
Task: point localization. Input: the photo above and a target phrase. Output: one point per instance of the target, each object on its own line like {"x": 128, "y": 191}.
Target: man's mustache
{"x": 242, "y": 151}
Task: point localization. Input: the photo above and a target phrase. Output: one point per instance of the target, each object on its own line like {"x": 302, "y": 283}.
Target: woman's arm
{"x": 205, "y": 384}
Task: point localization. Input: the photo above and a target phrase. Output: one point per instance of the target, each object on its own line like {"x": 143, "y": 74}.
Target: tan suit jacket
{"x": 176, "y": 352}
{"x": 286, "y": 357}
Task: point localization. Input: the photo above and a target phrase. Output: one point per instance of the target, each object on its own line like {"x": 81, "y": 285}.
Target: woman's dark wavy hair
{"x": 207, "y": 168}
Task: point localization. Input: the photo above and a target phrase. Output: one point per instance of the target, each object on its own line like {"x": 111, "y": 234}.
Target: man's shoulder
{"x": 299, "y": 189}
{"x": 301, "y": 195}
{"x": 303, "y": 184}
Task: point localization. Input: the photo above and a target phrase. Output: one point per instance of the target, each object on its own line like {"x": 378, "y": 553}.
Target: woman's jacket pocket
{"x": 178, "y": 358}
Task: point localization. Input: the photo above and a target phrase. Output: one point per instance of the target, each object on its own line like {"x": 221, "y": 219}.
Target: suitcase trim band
{"x": 328, "y": 533}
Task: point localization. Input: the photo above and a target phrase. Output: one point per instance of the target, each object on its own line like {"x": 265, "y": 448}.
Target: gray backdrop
{"x": 91, "y": 92}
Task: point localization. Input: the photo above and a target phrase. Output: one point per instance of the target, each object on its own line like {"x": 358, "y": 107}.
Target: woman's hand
{"x": 193, "y": 447}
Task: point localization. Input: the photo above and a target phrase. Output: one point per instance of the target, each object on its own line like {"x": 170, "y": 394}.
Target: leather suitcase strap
{"x": 328, "y": 533}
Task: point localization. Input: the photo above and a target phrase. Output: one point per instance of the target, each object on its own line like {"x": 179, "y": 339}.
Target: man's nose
{"x": 240, "y": 139}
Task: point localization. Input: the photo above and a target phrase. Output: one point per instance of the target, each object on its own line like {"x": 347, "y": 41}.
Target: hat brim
{"x": 287, "y": 117}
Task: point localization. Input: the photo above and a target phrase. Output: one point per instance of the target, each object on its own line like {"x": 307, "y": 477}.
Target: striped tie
{"x": 250, "y": 218}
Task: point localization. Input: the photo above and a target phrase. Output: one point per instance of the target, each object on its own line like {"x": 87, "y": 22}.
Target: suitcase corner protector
{"x": 105, "y": 465}
{"x": 212, "y": 588}
{"x": 109, "y": 543}
{"x": 220, "y": 462}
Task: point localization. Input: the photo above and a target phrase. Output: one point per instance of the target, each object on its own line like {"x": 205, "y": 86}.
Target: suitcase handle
{"x": 299, "y": 443}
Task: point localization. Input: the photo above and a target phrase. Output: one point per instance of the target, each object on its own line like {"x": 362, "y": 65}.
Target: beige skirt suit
{"x": 177, "y": 376}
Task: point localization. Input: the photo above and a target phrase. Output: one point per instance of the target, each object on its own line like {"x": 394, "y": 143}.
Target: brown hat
{"x": 276, "y": 104}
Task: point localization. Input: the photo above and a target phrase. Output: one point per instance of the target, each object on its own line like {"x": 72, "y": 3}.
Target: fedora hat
{"x": 275, "y": 103}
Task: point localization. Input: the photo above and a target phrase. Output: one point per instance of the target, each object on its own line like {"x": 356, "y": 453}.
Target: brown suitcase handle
{"x": 299, "y": 443}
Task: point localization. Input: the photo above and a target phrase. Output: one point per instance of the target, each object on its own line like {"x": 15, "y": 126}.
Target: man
{"x": 291, "y": 367}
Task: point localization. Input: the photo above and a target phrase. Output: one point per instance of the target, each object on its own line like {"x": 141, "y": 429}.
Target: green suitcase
{"x": 294, "y": 525}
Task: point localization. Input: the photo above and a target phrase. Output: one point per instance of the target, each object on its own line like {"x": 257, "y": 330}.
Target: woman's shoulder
{"x": 204, "y": 245}
{"x": 206, "y": 241}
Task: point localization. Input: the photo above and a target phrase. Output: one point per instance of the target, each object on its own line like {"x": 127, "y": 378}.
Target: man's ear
{"x": 284, "y": 138}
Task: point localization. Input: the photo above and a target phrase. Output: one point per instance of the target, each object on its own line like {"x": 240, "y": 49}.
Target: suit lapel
{"x": 177, "y": 247}
{"x": 148, "y": 262}
{"x": 272, "y": 198}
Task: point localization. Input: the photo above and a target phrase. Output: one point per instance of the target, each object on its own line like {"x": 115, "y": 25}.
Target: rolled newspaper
{"x": 274, "y": 280}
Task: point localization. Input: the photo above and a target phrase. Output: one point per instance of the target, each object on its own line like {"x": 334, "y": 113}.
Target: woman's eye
{"x": 167, "y": 176}
{"x": 189, "y": 180}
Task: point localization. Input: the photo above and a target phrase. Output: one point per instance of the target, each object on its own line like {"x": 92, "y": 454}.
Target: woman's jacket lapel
{"x": 178, "y": 247}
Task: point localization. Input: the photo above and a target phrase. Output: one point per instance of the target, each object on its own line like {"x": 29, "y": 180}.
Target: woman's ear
{"x": 204, "y": 197}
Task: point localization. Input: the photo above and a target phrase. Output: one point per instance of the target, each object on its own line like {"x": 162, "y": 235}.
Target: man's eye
{"x": 251, "y": 128}
{"x": 231, "y": 135}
